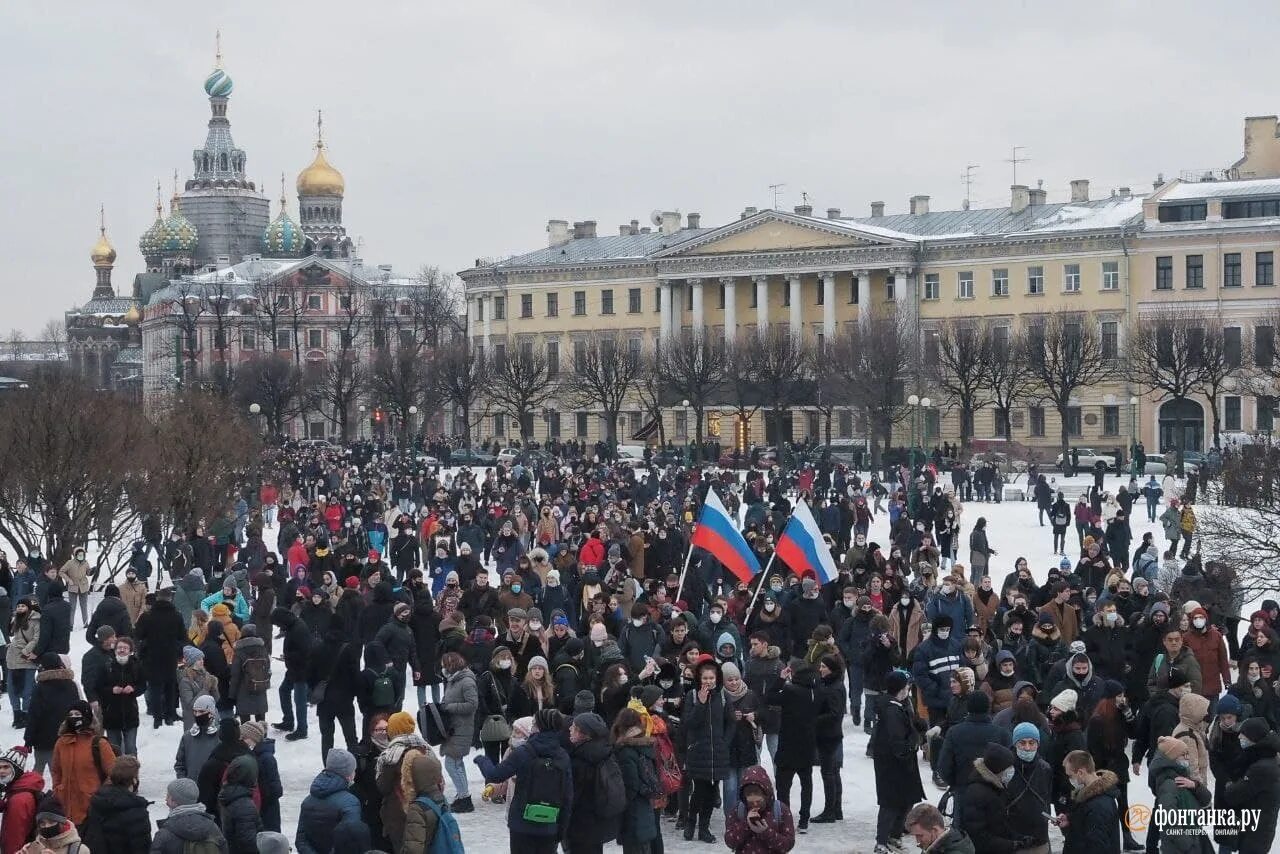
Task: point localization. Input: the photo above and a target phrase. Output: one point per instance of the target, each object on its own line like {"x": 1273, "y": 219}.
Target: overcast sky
{"x": 462, "y": 127}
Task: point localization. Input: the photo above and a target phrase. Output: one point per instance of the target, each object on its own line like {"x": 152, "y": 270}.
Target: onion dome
{"x": 149, "y": 242}
{"x": 218, "y": 83}
{"x": 283, "y": 237}
{"x": 132, "y": 317}
{"x": 320, "y": 179}
{"x": 177, "y": 233}
{"x": 103, "y": 254}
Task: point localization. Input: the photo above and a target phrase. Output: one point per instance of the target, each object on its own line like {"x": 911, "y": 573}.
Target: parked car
{"x": 465, "y": 457}
{"x": 427, "y": 460}
{"x": 314, "y": 444}
{"x": 667, "y": 457}
{"x": 734, "y": 460}
{"x": 1157, "y": 464}
{"x": 509, "y": 455}
{"x": 1088, "y": 457}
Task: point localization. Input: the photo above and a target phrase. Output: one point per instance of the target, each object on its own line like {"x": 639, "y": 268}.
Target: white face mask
{"x": 1198, "y": 622}
{"x": 1110, "y": 617}
{"x": 504, "y": 664}
{"x": 905, "y": 600}
{"x": 715, "y": 616}
{"x": 535, "y": 627}
{"x": 944, "y": 633}
{"x": 122, "y": 658}
{"x": 637, "y": 621}
{"x": 622, "y": 679}
{"x": 947, "y": 589}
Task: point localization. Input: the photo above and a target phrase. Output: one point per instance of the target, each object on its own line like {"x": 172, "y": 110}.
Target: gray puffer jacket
{"x": 186, "y": 825}
{"x": 23, "y": 641}
{"x": 459, "y": 703}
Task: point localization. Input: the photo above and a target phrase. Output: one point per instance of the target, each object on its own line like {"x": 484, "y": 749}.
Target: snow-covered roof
{"x": 1222, "y": 189}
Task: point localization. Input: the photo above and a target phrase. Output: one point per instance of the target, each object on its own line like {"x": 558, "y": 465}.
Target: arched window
{"x": 206, "y": 163}
{"x": 222, "y": 162}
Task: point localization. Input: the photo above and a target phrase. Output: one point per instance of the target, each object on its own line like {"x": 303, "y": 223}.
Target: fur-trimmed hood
{"x": 1054, "y": 635}
{"x": 987, "y": 775}
{"x": 1107, "y": 780}
{"x": 1101, "y": 623}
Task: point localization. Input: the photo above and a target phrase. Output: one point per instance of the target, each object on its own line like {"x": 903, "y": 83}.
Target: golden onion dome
{"x": 133, "y": 317}
{"x": 320, "y": 178}
{"x": 103, "y": 254}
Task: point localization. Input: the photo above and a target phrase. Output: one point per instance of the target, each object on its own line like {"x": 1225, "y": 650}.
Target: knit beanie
{"x": 191, "y": 655}
{"x": 1026, "y": 729}
{"x": 1255, "y": 729}
{"x": 978, "y": 703}
{"x": 401, "y": 723}
{"x": 729, "y": 670}
{"x": 591, "y": 724}
{"x": 537, "y": 661}
{"x": 270, "y": 842}
{"x": 253, "y": 732}
{"x": 183, "y": 792}
{"x": 997, "y": 758}
{"x": 1065, "y": 701}
{"x": 1230, "y": 705}
{"x": 340, "y": 762}
{"x": 599, "y": 632}
{"x": 1171, "y": 747}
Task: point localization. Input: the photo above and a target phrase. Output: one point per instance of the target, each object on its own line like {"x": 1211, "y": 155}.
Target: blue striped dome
{"x": 177, "y": 234}
{"x": 283, "y": 237}
{"x": 149, "y": 242}
{"x": 218, "y": 84}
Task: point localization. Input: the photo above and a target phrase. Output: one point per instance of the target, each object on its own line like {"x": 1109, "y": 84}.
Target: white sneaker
{"x": 895, "y": 844}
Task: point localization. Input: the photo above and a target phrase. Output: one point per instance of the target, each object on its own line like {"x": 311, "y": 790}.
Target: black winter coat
{"x": 210, "y": 775}
{"x": 378, "y": 612}
{"x": 806, "y": 615}
{"x": 397, "y": 638}
{"x": 797, "y": 737}
{"x": 966, "y": 742}
{"x": 1095, "y": 818}
{"x": 161, "y": 637}
{"x": 1030, "y": 794}
{"x": 1258, "y": 788}
{"x": 240, "y": 819}
{"x": 425, "y": 624}
{"x": 111, "y": 611}
{"x": 707, "y": 728}
{"x": 832, "y": 704}
{"x": 117, "y": 822}
{"x": 587, "y": 826}
{"x": 894, "y": 742}
{"x": 339, "y": 663}
{"x": 983, "y": 813}
{"x": 297, "y": 644}
{"x": 55, "y": 625}
{"x": 120, "y": 711}
{"x": 54, "y": 693}
{"x": 95, "y": 662}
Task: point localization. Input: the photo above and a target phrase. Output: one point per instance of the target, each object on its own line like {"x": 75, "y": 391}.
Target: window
{"x": 964, "y": 285}
{"x": 282, "y": 301}
{"x": 820, "y": 294}
{"x": 682, "y": 425}
{"x": 1035, "y": 342}
{"x": 633, "y": 300}
{"x": 480, "y": 309}
{"x": 1251, "y": 209}
{"x": 315, "y": 338}
{"x": 580, "y": 424}
{"x": 786, "y": 294}
{"x": 1264, "y": 269}
{"x": 1035, "y": 415}
{"x": 1001, "y": 423}
{"x": 1000, "y": 339}
{"x": 220, "y": 339}
{"x": 931, "y": 347}
{"x": 1164, "y": 273}
{"x": 1071, "y": 278}
{"x": 722, "y": 294}
{"x": 283, "y": 339}
{"x": 346, "y": 339}
{"x": 344, "y": 302}
{"x": 1183, "y": 213}
{"x": 1266, "y": 413}
{"x": 1264, "y": 343}
{"x": 499, "y": 354}
{"x": 1000, "y": 283}
{"x": 932, "y": 423}
{"x": 313, "y": 302}
{"x": 379, "y": 338}
{"x": 755, "y": 296}
{"x": 1195, "y": 271}
{"x": 526, "y": 351}
{"x": 1035, "y": 280}
{"x": 688, "y": 298}
{"x": 406, "y": 309}
{"x": 854, "y": 283}
{"x": 1073, "y": 421}
{"x": 553, "y": 304}
{"x": 248, "y": 339}
{"x": 1110, "y": 339}
{"x": 499, "y": 424}
{"x": 891, "y": 289}
{"x": 932, "y": 286}
{"x": 606, "y": 301}
{"x": 553, "y": 424}
{"x": 579, "y": 356}
{"x": 526, "y": 305}
{"x": 657, "y": 298}
{"x": 1111, "y": 275}
{"x": 553, "y": 358}
{"x": 579, "y": 303}
{"x": 1232, "y": 347}
{"x": 499, "y": 308}
{"x": 1231, "y": 270}
{"x": 1111, "y": 421}
{"x": 633, "y": 350}
{"x": 1231, "y": 413}
{"x": 844, "y": 425}
{"x": 406, "y": 338}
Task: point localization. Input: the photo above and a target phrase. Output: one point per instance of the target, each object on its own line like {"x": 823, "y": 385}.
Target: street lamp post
{"x": 360, "y": 429}
{"x": 685, "y": 405}
{"x": 917, "y": 404}
{"x": 256, "y": 410}
{"x": 408, "y": 426}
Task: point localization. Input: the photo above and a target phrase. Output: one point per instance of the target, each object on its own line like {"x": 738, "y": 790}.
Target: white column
{"x": 828, "y": 306}
{"x": 863, "y": 279}
{"x": 797, "y": 307}
{"x": 664, "y": 309}
{"x": 472, "y": 310}
{"x": 696, "y": 286}
{"x": 762, "y": 303}
{"x": 901, "y": 284}
{"x": 730, "y": 308}
{"x": 488, "y": 321}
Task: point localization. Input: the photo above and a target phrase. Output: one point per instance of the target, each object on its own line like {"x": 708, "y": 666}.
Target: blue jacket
{"x": 240, "y": 609}
{"x": 329, "y": 804}
{"x": 932, "y": 664}
{"x": 540, "y": 744}
{"x": 957, "y": 606}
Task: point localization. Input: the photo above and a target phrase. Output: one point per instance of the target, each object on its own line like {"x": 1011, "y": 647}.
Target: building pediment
{"x": 773, "y": 231}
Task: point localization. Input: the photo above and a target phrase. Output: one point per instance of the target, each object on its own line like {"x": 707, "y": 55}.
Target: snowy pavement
{"x": 1013, "y": 532}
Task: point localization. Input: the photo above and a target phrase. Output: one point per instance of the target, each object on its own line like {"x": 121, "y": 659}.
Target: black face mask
{"x": 51, "y": 832}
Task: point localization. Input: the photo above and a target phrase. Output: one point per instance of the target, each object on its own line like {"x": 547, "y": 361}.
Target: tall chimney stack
{"x": 833, "y": 213}
{"x": 1019, "y": 198}
{"x": 1038, "y": 196}
{"x": 557, "y": 232}
{"x": 693, "y": 220}
{"x": 670, "y": 222}
{"x": 877, "y": 209}
{"x": 804, "y": 210}
{"x": 919, "y": 204}
{"x": 1080, "y": 190}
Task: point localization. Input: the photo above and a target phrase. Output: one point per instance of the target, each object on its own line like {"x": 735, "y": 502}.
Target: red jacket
{"x": 591, "y": 553}
{"x": 268, "y": 494}
{"x": 333, "y": 517}
{"x": 18, "y": 803}
{"x": 779, "y": 838}
{"x": 297, "y": 556}
{"x": 1210, "y": 651}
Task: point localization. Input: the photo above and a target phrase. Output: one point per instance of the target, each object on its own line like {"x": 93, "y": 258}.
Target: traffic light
{"x": 377, "y": 416}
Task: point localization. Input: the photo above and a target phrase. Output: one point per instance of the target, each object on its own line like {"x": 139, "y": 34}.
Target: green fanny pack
{"x": 541, "y": 813}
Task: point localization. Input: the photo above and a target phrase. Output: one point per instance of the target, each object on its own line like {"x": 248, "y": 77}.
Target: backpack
{"x": 611, "y": 792}
{"x": 544, "y": 792}
{"x": 202, "y": 846}
{"x": 384, "y": 690}
{"x": 257, "y": 675}
{"x": 95, "y": 748}
{"x": 1060, "y": 520}
{"x": 448, "y": 837}
{"x": 670, "y": 777}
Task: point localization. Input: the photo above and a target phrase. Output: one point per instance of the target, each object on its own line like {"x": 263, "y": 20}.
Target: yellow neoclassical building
{"x": 1092, "y": 253}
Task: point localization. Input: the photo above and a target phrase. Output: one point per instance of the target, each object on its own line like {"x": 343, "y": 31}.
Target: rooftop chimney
{"x": 1080, "y": 190}
{"x": 1038, "y": 196}
{"x": 586, "y": 228}
{"x": 222, "y": 262}
{"x": 804, "y": 210}
{"x": 1020, "y": 198}
{"x": 877, "y": 208}
{"x": 557, "y": 231}
{"x": 645, "y": 230}
{"x": 693, "y": 220}
{"x": 1125, "y": 192}
{"x": 919, "y": 204}
{"x": 747, "y": 211}
{"x": 635, "y": 226}
{"x": 670, "y": 222}
{"x": 624, "y": 230}
{"x": 833, "y": 213}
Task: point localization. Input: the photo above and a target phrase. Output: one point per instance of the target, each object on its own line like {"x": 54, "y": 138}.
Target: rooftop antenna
{"x": 1015, "y": 160}
{"x": 776, "y": 188}
{"x": 217, "y": 48}
{"x": 967, "y": 178}
{"x": 804, "y": 198}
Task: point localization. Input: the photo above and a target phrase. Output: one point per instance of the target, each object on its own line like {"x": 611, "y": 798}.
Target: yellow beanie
{"x": 401, "y": 723}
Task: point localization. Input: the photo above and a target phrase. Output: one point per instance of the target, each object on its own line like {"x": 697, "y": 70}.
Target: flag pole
{"x": 684, "y": 572}
{"x": 764, "y": 579}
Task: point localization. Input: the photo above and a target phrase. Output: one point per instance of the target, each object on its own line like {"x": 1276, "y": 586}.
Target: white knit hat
{"x": 1065, "y": 701}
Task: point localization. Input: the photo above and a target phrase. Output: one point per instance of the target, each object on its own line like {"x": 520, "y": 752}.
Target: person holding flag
{"x": 718, "y": 534}
{"x": 802, "y": 548}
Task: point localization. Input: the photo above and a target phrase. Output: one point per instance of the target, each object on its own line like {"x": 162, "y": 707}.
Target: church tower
{"x": 103, "y": 256}
{"x": 320, "y": 191}
{"x": 222, "y": 205}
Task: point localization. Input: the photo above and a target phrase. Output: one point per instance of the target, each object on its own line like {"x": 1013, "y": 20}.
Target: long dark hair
{"x": 1025, "y": 710}
{"x": 627, "y": 719}
{"x": 1107, "y": 716}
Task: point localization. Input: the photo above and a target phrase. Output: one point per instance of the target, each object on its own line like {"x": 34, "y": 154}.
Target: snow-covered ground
{"x": 1013, "y": 532}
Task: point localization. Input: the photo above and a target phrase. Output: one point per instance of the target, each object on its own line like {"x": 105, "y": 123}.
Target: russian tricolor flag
{"x": 718, "y": 534}
{"x": 802, "y": 548}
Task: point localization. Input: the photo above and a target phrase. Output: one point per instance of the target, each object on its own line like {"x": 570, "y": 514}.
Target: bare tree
{"x": 653, "y": 390}
{"x": 520, "y": 383}
{"x": 1165, "y": 355}
{"x": 55, "y": 332}
{"x": 781, "y": 359}
{"x": 219, "y": 307}
{"x": 959, "y": 364}
{"x": 399, "y": 380}
{"x": 1064, "y": 353}
{"x": 69, "y": 467}
{"x": 829, "y": 388}
{"x": 182, "y": 332}
{"x": 694, "y": 365}
{"x": 876, "y": 358}
{"x": 277, "y": 302}
{"x": 742, "y": 378}
{"x": 1009, "y": 373}
{"x": 336, "y": 388}
{"x": 1244, "y": 536}
{"x": 460, "y": 378}
{"x": 276, "y": 384}
{"x": 603, "y": 377}
{"x": 1222, "y": 359}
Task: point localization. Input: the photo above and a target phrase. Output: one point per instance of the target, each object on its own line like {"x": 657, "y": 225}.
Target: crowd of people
{"x": 575, "y": 663}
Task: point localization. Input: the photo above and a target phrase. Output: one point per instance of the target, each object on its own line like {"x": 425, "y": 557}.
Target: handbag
{"x": 434, "y": 725}
{"x": 495, "y": 728}
{"x": 316, "y": 697}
